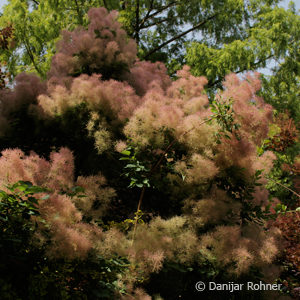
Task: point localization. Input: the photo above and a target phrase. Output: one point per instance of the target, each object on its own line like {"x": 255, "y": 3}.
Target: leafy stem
{"x": 285, "y": 187}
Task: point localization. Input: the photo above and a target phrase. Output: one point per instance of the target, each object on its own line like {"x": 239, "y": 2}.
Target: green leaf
{"x": 5, "y": 219}
{"x": 36, "y": 190}
{"x": 124, "y": 158}
{"x": 3, "y": 194}
{"x": 258, "y": 172}
{"x": 130, "y": 166}
{"x": 33, "y": 200}
{"x": 125, "y": 152}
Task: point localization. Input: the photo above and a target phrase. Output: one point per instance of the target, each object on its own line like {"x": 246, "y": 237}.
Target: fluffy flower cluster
{"x": 254, "y": 117}
{"x": 216, "y": 208}
{"x": 180, "y": 108}
{"x": 241, "y": 247}
{"x": 104, "y": 49}
{"x": 144, "y": 74}
{"x": 61, "y": 212}
{"x": 115, "y": 100}
{"x": 233, "y": 247}
{"x": 26, "y": 90}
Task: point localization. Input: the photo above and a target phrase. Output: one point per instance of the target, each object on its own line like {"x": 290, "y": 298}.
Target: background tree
{"x": 282, "y": 89}
{"x": 6, "y": 35}
{"x": 159, "y": 27}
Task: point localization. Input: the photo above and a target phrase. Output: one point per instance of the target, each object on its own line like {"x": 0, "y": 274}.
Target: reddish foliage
{"x": 294, "y": 171}
{"x": 5, "y": 35}
{"x": 287, "y": 136}
{"x": 289, "y": 225}
{"x": 3, "y": 78}
{"x": 297, "y": 184}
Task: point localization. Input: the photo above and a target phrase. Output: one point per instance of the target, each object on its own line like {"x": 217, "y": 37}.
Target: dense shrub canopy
{"x": 200, "y": 158}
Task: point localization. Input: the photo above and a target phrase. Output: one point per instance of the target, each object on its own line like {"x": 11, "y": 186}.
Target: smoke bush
{"x": 213, "y": 209}
{"x": 182, "y": 110}
{"x": 245, "y": 247}
{"x": 143, "y": 74}
{"x": 27, "y": 88}
{"x": 103, "y": 48}
{"x": 61, "y": 212}
{"x": 207, "y": 179}
{"x": 116, "y": 100}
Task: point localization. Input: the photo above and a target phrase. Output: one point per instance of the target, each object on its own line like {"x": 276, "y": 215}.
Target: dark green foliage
{"x": 135, "y": 170}
{"x": 16, "y": 210}
{"x": 27, "y": 273}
